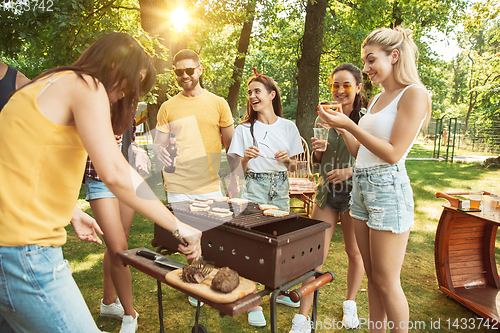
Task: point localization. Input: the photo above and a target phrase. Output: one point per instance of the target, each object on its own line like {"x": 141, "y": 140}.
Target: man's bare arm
{"x": 233, "y": 161}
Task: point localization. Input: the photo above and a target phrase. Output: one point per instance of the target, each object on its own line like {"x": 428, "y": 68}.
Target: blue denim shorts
{"x": 38, "y": 293}
{"x": 382, "y": 196}
{"x": 337, "y": 200}
{"x": 96, "y": 189}
{"x": 267, "y": 188}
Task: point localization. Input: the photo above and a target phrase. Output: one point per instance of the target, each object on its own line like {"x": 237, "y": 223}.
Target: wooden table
{"x": 129, "y": 257}
{"x": 464, "y": 254}
{"x": 158, "y": 272}
{"x": 302, "y": 189}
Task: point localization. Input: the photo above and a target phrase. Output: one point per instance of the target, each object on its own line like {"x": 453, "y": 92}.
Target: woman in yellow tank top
{"x": 47, "y": 128}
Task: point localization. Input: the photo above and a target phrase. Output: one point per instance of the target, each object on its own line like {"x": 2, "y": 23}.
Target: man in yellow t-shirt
{"x": 201, "y": 121}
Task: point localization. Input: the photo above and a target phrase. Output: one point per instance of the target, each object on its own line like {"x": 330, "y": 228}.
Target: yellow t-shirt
{"x": 196, "y": 122}
{"x": 41, "y": 169}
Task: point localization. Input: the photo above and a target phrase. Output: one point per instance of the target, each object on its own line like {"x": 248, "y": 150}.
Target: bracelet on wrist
{"x": 178, "y": 236}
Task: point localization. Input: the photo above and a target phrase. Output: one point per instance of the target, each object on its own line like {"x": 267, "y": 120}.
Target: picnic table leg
{"x": 160, "y": 307}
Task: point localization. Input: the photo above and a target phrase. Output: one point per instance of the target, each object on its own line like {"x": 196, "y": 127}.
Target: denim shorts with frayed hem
{"x": 382, "y": 196}
{"x": 267, "y": 188}
{"x": 38, "y": 293}
{"x": 96, "y": 189}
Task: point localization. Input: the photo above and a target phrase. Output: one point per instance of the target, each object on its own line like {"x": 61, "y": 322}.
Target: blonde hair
{"x": 405, "y": 69}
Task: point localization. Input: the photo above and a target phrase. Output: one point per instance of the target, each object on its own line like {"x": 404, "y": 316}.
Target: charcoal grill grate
{"x": 249, "y": 218}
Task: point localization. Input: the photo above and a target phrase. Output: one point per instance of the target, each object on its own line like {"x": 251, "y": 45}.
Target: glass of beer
{"x": 475, "y": 197}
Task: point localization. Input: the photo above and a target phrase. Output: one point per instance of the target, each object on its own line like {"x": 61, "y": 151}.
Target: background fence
{"x": 478, "y": 136}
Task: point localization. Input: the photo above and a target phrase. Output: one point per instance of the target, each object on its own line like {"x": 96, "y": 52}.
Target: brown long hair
{"x": 113, "y": 59}
{"x": 270, "y": 85}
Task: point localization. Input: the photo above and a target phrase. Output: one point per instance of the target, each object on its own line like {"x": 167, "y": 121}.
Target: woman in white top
{"x": 382, "y": 198}
{"x": 267, "y": 145}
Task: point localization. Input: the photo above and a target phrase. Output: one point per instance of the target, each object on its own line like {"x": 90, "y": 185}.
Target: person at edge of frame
{"x": 10, "y": 80}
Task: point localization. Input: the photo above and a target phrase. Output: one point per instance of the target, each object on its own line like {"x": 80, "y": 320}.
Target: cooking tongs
{"x": 201, "y": 266}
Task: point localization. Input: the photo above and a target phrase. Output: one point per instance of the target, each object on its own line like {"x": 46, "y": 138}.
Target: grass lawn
{"x": 418, "y": 275}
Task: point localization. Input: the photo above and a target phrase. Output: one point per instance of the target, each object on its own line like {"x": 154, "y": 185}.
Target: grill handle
{"x": 312, "y": 286}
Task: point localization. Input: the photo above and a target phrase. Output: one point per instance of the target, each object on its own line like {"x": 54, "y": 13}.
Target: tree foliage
{"x": 44, "y": 38}
{"x": 480, "y": 42}
{"x": 36, "y": 40}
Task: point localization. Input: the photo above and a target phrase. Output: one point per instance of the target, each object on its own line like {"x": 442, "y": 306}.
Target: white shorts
{"x": 178, "y": 197}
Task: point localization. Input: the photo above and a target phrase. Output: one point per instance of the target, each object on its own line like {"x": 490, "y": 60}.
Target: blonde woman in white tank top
{"x": 382, "y": 199}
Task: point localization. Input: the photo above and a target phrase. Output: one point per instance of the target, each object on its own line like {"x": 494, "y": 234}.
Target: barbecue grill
{"x": 278, "y": 252}
{"x": 266, "y": 249}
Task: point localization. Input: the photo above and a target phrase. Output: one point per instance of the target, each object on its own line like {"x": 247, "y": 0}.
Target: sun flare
{"x": 179, "y": 18}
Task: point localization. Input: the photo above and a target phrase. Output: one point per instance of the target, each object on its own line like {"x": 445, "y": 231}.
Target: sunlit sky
{"x": 445, "y": 46}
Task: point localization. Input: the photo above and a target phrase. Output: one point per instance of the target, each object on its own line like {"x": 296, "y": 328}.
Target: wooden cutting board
{"x": 204, "y": 290}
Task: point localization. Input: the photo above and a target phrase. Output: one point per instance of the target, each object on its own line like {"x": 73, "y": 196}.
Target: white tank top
{"x": 380, "y": 125}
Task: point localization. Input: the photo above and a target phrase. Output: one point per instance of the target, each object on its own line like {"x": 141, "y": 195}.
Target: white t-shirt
{"x": 283, "y": 134}
{"x": 380, "y": 124}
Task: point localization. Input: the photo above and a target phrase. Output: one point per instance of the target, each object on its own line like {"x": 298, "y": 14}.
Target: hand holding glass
{"x": 321, "y": 134}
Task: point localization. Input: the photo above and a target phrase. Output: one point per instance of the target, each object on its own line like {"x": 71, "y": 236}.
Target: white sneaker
{"x": 301, "y": 324}
{"x": 194, "y": 302}
{"x": 129, "y": 324}
{"x": 113, "y": 310}
{"x": 350, "y": 319}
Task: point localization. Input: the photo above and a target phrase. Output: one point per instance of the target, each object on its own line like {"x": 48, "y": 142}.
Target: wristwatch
{"x": 178, "y": 236}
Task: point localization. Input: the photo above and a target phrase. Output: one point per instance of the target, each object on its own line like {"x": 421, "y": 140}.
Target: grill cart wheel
{"x": 201, "y": 329}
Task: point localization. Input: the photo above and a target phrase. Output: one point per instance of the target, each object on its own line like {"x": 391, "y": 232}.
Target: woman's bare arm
{"x": 412, "y": 109}
{"x": 90, "y": 110}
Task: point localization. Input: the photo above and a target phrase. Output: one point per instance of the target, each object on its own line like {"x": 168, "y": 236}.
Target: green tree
{"x": 481, "y": 51}
{"x": 40, "y": 38}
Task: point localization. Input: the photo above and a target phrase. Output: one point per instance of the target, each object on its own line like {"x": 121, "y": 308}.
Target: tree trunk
{"x": 308, "y": 67}
{"x": 152, "y": 20}
{"x": 239, "y": 63}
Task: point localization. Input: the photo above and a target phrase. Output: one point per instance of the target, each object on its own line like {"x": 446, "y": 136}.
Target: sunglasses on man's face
{"x": 189, "y": 71}
{"x": 347, "y": 87}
